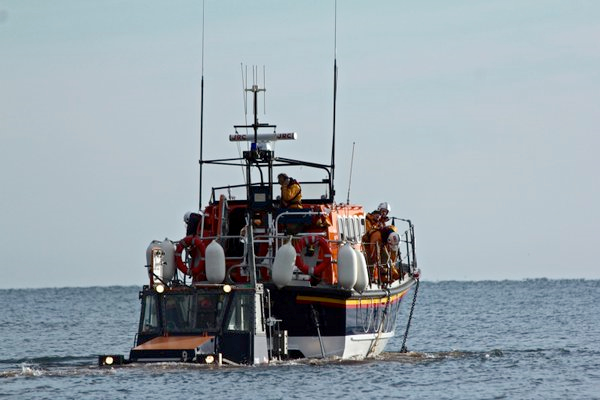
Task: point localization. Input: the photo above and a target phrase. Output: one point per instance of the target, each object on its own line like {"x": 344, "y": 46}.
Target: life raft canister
{"x": 196, "y": 248}
{"x": 309, "y": 242}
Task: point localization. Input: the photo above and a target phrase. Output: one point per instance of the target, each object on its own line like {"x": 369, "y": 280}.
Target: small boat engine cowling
{"x": 347, "y": 266}
{"x": 160, "y": 256}
{"x": 283, "y": 266}
{"x": 215, "y": 263}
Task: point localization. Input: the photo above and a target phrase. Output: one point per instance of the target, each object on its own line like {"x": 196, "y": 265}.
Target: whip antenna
{"x": 245, "y": 96}
{"x": 334, "y": 99}
{"x": 244, "y": 92}
{"x": 265, "y": 86}
{"x": 201, "y": 114}
{"x": 350, "y": 179}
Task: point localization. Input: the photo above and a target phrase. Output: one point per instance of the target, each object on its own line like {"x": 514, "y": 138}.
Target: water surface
{"x": 533, "y": 339}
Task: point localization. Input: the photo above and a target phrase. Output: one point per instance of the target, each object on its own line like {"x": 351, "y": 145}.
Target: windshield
{"x": 192, "y": 312}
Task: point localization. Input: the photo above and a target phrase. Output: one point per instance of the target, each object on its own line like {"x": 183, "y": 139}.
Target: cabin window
{"x": 149, "y": 321}
{"x": 357, "y": 233}
{"x": 351, "y": 227}
{"x": 241, "y": 311}
{"x": 192, "y": 312}
{"x": 361, "y": 224}
{"x": 351, "y": 233}
{"x": 208, "y": 311}
{"x": 341, "y": 228}
{"x": 177, "y": 312}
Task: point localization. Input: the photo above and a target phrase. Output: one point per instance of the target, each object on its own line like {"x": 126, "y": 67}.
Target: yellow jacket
{"x": 291, "y": 194}
{"x": 375, "y": 220}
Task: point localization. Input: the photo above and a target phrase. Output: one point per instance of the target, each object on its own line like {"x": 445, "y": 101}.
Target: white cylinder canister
{"x": 347, "y": 266}
{"x": 283, "y": 266}
{"x": 362, "y": 274}
{"x": 215, "y": 263}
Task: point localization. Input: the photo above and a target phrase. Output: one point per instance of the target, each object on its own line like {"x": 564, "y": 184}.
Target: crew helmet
{"x": 384, "y": 206}
{"x": 186, "y": 217}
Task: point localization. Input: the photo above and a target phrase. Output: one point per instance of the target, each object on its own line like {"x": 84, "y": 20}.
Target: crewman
{"x": 291, "y": 192}
{"x": 376, "y": 220}
{"x": 192, "y": 220}
{"x": 375, "y": 230}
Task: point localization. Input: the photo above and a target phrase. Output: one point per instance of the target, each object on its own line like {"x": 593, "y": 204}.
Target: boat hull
{"x": 337, "y": 323}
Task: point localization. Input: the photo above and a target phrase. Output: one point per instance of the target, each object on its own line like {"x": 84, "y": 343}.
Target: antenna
{"x": 245, "y": 96}
{"x": 334, "y": 99}
{"x": 265, "y": 86}
{"x": 201, "y": 115}
{"x": 350, "y": 179}
{"x": 243, "y": 88}
{"x": 255, "y": 90}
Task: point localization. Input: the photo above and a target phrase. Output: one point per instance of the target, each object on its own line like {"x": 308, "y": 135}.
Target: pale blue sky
{"x": 476, "y": 119}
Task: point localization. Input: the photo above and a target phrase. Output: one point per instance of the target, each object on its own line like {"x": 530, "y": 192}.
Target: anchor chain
{"x": 412, "y": 308}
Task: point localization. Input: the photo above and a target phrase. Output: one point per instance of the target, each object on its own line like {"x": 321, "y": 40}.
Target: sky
{"x": 478, "y": 120}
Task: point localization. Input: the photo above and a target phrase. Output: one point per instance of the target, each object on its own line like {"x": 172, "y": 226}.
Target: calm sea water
{"x": 533, "y": 339}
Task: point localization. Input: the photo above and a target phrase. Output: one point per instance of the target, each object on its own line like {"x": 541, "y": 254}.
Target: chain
{"x": 412, "y": 308}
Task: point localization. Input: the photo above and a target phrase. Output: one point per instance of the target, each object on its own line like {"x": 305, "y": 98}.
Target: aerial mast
{"x": 201, "y": 116}
{"x": 334, "y": 100}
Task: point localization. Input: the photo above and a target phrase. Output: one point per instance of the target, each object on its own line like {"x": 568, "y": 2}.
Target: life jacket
{"x": 294, "y": 202}
{"x": 374, "y": 221}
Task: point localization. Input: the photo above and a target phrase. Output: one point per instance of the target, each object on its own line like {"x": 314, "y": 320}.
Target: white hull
{"x": 345, "y": 347}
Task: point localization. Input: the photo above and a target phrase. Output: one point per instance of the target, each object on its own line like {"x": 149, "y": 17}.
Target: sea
{"x": 528, "y": 339}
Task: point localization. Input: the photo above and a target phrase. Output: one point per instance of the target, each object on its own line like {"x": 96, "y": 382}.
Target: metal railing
{"x": 381, "y": 271}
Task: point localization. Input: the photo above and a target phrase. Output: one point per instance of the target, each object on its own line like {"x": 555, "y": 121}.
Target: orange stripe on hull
{"x": 350, "y": 303}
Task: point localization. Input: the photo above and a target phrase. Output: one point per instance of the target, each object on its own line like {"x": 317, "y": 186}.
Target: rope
{"x": 380, "y": 329}
{"x": 316, "y": 321}
{"x": 412, "y": 308}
